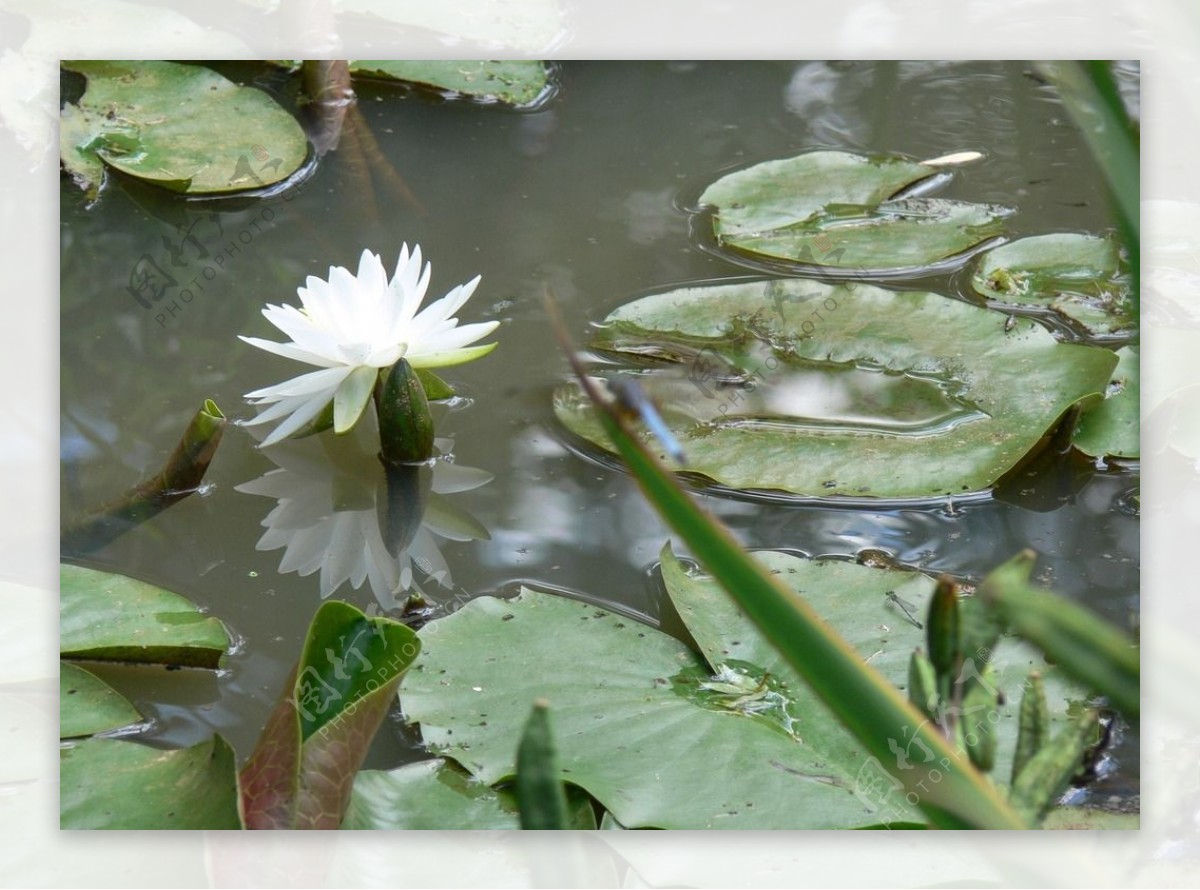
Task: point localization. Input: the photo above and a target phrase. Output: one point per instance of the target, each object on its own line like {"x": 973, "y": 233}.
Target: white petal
{"x": 456, "y": 337}
{"x": 304, "y": 385}
{"x": 453, "y": 301}
{"x": 352, "y": 397}
{"x": 290, "y": 350}
{"x": 372, "y": 278}
{"x": 300, "y": 416}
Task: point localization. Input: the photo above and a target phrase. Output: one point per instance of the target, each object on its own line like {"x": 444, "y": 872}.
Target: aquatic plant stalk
{"x": 179, "y": 477}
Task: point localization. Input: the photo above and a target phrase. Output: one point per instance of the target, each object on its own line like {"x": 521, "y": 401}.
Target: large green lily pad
{"x": 115, "y": 618}
{"x": 1075, "y": 276}
{"x": 1113, "y": 427}
{"x": 114, "y": 784}
{"x": 515, "y": 82}
{"x": 664, "y": 737}
{"x": 846, "y": 211}
{"x": 634, "y": 727}
{"x": 179, "y": 126}
{"x": 845, "y": 390}
{"x": 88, "y": 705}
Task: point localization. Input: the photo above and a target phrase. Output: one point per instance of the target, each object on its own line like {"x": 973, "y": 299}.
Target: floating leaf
{"x": 115, "y": 618}
{"x": 511, "y": 82}
{"x": 640, "y": 718}
{"x": 845, "y": 390}
{"x": 183, "y": 127}
{"x": 302, "y": 772}
{"x": 437, "y": 794}
{"x": 114, "y": 784}
{"x": 635, "y": 729}
{"x": 1112, "y": 428}
{"x": 841, "y": 210}
{"x": 1075, "y": 276}
{"x": 88, "y": 705}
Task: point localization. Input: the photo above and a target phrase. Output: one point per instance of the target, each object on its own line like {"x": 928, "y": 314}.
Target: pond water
{"x": 586, "y": 196}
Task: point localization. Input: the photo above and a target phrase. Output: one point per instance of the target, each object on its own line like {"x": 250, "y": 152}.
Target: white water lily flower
{"x": 350, "y": 327}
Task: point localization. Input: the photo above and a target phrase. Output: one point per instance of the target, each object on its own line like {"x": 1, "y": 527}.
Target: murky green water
{"x": 585, "y": 197}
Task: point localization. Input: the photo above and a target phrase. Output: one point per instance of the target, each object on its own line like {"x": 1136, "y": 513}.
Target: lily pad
{"x": 114, "y": 784}
{"x": 634, "y": 728}
{"x": 88, "y": 705}
{"x": 1112, "y": 428}
{"x": 515, "y": 82}
{"x": 662, "y": 736}
{"x": 1075, "y": 276}
{"x": 840, "y": 210}
{"x": 437, "y": 794}
{"x": 180, "y": 126}
{"x": 844, "y": 390}
{"x": 115, "y": 618}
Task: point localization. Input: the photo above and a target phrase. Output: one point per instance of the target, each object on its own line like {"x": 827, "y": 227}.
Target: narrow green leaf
{"x": 88, "y": 705}
{"x": 1089, "y": 93}
{"x": 979, "y": 701}
{"x": 115, "y": 618}
{"x": 1084, "y": 645}
{"x": 1050, "y": 770}
{"x": 943, "y": 636}
{"x": 115, "y": 784}
{"x": 1034, "y": 727}
{"x": 922, "y": 684}
{"x": 870, "y": 708}
{"x": 540, "y": 794}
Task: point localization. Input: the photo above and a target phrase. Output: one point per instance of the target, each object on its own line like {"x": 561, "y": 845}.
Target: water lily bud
{"x": 405, "y": 426}
{"x": 945, "y": 647}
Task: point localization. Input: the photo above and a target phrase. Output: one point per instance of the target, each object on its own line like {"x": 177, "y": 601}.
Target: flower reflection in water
{"x": 342, "y": 512}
